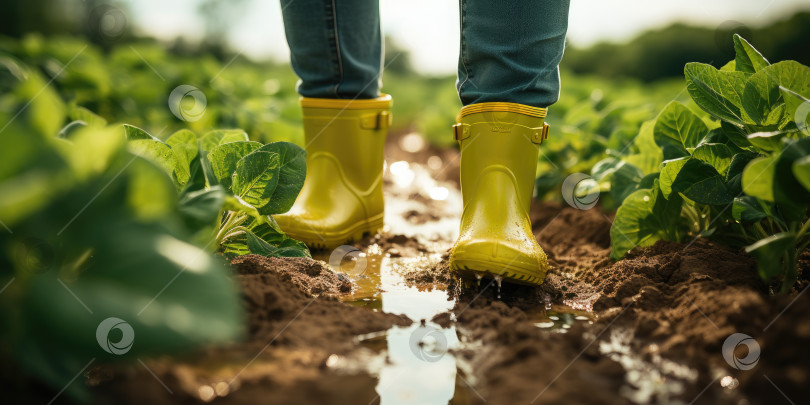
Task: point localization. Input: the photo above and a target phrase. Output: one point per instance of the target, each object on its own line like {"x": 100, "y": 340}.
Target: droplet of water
{"x": 478, "y": 278}
{"x": 498, "y": 280}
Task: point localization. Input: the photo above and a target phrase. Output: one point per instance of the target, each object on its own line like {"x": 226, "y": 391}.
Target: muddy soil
{"x": 389, "y": 324}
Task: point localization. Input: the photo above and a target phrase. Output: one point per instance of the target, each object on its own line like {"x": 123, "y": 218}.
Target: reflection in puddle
{"x": 416, "y": 364}
{"x": 415, "y": 190}
{"x": 650, "y": 379}
{"x": 560, "y": 318}
{"x": 417, "y": 367}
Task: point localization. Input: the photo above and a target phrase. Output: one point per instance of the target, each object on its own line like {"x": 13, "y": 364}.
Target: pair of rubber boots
{"x": 342, "y": 197}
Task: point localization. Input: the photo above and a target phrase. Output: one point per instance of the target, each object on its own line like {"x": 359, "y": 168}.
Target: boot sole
{"x": 331, "y": 240}
{"x": 475, "y": 268}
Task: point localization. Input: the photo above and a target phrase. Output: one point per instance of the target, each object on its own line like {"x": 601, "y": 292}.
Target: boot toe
{"x": 523, "y": 263}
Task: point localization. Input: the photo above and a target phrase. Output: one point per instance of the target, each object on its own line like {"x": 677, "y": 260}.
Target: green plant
{"x": 736, "y": 172}
{"x": 596, "y": 119}
{"x": 91, "y": 231}
{"x": 231, "y": 185}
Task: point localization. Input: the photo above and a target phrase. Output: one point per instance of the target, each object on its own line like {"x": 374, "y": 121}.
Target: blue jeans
{"x": 510, "y": 50}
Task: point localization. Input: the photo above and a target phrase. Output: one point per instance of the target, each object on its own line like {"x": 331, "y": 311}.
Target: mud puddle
{"x": 421, "y": 363}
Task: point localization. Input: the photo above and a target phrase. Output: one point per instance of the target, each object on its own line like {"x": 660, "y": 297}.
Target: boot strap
{"x": 378, "y": 120}
{"x": 462, "y": 131}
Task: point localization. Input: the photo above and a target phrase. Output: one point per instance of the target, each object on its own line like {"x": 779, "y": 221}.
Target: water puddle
{"x": 414, "y": 364}
{"x": 559, "y": 318}
{"x": 650, "y": 378}
{"x": 417, "y": 364}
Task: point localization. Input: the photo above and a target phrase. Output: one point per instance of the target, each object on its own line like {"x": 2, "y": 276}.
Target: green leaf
{"x": 797, "y": 107}
{"x": 735, "y": 134}
{"x": 748, "y": 59}
{"x": 292, "y": 172}
{"x": 71, "y": 128}
{"x": 199, "y": 208}
{"x": 154, "y": 150}
{"x": 735, "y": 171}
{"x": 801, "y": 169}
{"x": 718, "y": 93}
{"x": 78, "y": 113}
{"x": 224, "y": 157}
{"x": 186, "y": 141}
{"x": 649, "y": 155}
{"x": 767, "y": 141}
{"x": 677, "y": 129}
{"x": 150, "y": 193}
{"x": 643, "y": 218}
{"x": 748, "y": 209}
{"x": 669, "y": 173}
{"x": 263, "y": 239}
{"x": 625, "y": 180}
{"x": 700, "y": 182}
{"x": 134, "y": 133}
{"x": 174, "y": 161}
{"x": 738, "y": 163}
{"x": 218, "y": 137}
{"x": 716, "y": 154}
{"x": 42, "y": 106}
{"x": 769, "y": 253}
{"x": 758, "y": 176}
{"x": 256, "y": 178}
{"x": 786, "y": 188}
{"x": 184, "y": 149}
{"x": 762, "y": 98}
{"x": 200, "y": 307}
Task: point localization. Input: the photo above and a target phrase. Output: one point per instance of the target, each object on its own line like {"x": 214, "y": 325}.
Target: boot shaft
{"x": 352, "y": 132}
{"x": 504, "y": 138}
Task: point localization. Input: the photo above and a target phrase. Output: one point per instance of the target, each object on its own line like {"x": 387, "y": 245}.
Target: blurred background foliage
{"x": 609, "y": 89}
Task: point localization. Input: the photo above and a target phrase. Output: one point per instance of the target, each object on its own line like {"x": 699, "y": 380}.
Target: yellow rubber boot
{"x": 342, "y": 198}
{"x": 499, "y": 149}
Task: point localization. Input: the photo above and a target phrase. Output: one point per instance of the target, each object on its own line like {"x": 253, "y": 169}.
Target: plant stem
{"x": 762, "y": 234}
{"x": 804, "y": 229}
{"x": 790, "y": 271}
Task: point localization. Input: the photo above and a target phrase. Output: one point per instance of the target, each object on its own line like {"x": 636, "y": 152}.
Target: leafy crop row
{"x": 101, "y": 221}
{"x": 737, "y": 172}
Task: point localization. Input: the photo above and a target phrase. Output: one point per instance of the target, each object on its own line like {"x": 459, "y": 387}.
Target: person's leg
{"x": 335, "y": 47}
{"x": 510, "y": 51}
{"x": 507, "y": 77}
{"x": 336, "y": 50}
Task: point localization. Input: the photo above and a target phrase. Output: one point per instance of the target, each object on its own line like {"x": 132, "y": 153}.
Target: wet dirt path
{"x": 403, "y": 271}
{"x": 392, "y": 326}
